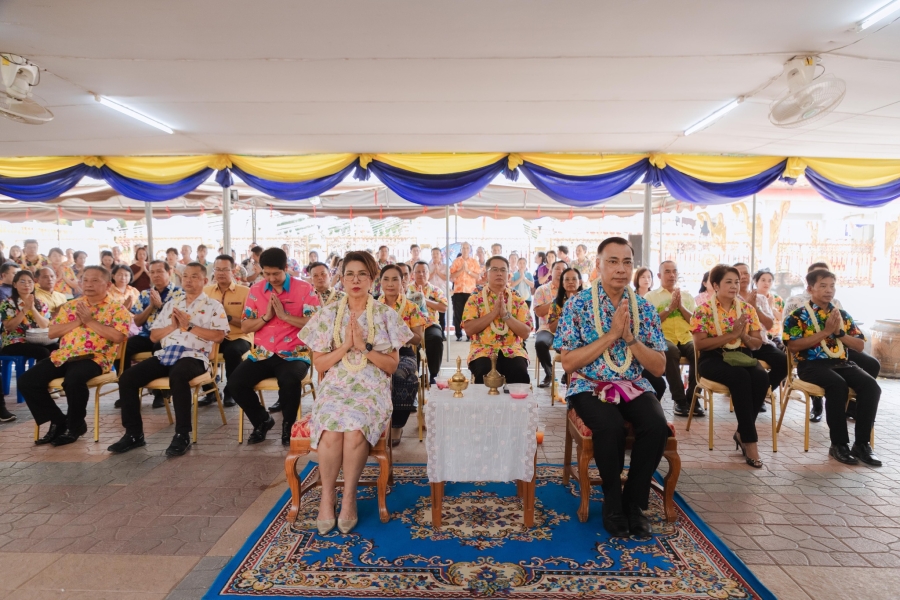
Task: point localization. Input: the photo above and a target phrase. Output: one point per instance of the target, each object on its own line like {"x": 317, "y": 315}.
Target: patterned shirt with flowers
{"x": 487, "y": 342}
{"x": 205, "y": 312}
{"x": 8, "y": 310}
{"x": 33, "y": 265}
{"x": 82, "y": 341}
{"x": 465, "y": 284}
{"x": 702, "y": 321}
{"x": 280, "y": 337}
{"x": 577, "y": 329}
{"x": 411, "y": 314}
{"x": 432, "y": 294}
{"x": 169, "y": 292}
{"x": 798, "y": 325}
{"x": 61, "y": 286}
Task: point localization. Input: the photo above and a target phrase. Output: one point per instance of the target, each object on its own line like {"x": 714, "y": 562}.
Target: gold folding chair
{"x": 793, "y": 383}
{"x": 554, "y": 385}
{"x": 96, "y": 384}
{"x": 271, "y": 385}
{"x": 706, "y": 388}
{"x": 424, "y": 385}
{"x": 196, "y": 384}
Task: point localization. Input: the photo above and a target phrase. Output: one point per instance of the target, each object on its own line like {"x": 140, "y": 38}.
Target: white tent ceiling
{"x": 289, "y": 76}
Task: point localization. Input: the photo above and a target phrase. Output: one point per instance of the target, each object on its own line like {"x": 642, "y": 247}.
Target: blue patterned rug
{"x": 483, "y": 550}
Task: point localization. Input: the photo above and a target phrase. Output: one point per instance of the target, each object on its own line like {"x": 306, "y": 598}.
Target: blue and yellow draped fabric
{"x": 441, "y": 179}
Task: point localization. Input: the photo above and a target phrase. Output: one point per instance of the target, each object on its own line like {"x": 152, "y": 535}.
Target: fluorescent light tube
{"x": 714, "y": 116}
{"x": 878, "y": 15}
{"x": 133, "y": 114}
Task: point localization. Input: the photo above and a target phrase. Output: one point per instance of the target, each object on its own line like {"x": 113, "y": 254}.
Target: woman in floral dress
{"x": 356, "y": 343}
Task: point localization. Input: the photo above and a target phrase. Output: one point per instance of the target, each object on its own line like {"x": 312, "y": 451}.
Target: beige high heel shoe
{"x": 346, "y": 526}
{"x": 325, "y": 525}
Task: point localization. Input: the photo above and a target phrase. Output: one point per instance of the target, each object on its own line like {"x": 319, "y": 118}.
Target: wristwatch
{"x": 368, "y": 347}
{"x": 840, "y": 334}
{"x": 632, "y": 342}
{"x": 189, "y": 327}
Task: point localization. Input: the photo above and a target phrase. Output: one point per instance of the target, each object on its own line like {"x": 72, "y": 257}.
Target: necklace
{"x": 815, "y": 323}
{"x": 598, "y": 325}
{"x": 718, "y": 324}
{"x": 503, "y": 329}
{"x": 370, "y": 338}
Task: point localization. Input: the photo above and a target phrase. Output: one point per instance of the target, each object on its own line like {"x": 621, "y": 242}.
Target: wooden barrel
{"x": 886, "y": 346}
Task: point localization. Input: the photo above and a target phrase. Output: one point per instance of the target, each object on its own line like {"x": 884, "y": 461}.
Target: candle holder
{"x": 458, "y": 381}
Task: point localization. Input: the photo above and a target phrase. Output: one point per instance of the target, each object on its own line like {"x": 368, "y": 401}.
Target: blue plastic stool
{"x": 6, "y": 365}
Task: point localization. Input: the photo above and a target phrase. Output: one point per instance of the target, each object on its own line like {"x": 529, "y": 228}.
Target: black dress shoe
{"x": 682, "y": 409}
{"x": 128, "y": 442}
{"x": 5, "y": 415}
{"x": 546, "y": 382}
{"x": 815, "y": 415}
{"x": 259, "y": 433}
{"x": 118, "y": 403}
{"x": 865, "y": 454}
{"x": 207, "y": 399}
{"x": 180, "y": 444}
{"x": 698, "y": 411}
{"x": 762, "y": 408}
{"x": 71, "y": 435}
{"x": 275, "y": 408}
{"x": 158, "y": 401}
{"x": 841, "y": 453}
{"x": 615, "y": 524}
{"x": 286, "y": 433}
{"x": 228, "y": 401}
{"x": 638, "y": 523}
{"x": 56, "y": 430}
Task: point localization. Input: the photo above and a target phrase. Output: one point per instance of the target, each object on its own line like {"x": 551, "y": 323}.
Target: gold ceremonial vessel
{"x": 458, "y": 381}
{"x": 494, "y": 380}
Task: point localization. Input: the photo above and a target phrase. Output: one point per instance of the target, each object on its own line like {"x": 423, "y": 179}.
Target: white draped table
{"x": 481, "y": 438}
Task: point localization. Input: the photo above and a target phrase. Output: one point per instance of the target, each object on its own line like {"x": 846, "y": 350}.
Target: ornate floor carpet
{"x": 483, "y": 550}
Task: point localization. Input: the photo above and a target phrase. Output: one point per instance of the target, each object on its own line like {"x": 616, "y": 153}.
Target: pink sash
{"x": 613, "y": 392}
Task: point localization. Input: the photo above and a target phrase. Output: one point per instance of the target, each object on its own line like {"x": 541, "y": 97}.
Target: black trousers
{"x": 405, "y": 380}
{"x": 33, "y": 384}
{"x": 748, "y": 387}
{"x": 28, "y": 349}
{"x": 674, "y": 354}
{"x": 837, "y": 383}
{"x": 233, "y": 352}
{"x": 137, "y": 344}
{"x": 442, "y": 321}
{"x": 866, "y": 362}
{"x": 289, "y": 373}
{"x": 543, "y": 341}
{"x": 434, "y": 349}
{"x": 658, "y": 383}
{"x": 607, "y": 422}
{"x": 777, "y": 361}
{"x": 459, "y": 304}
{"x": 514, "y": 369}
{"x": 179, "y": 374}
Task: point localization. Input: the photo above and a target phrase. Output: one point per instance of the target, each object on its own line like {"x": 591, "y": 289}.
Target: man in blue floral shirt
{"x": 821, "y": 336}
{"x": 607, "y": 336}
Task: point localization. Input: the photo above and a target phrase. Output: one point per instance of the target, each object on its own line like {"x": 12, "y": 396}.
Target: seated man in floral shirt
{"x": 89, "y": 331}
{"x": 186, "y": 328}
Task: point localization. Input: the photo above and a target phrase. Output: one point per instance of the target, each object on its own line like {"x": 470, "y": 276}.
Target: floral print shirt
{"x": 486, "y": 342}
{"x": 577, "y": 329}
{"x": 411, "y": 314}
{"x": 332, "y": 296}
{"x": 777, "y": 304}
{"x": 798, "y": 325}
{"x": 544, "y": 294}
{"x": 465, "y": 284}
{"x": 82, "y": 341}
{"x": 432, "y": 294}
{"x": 205, "y": 312}
{"x": 702, "y": 321}
{"x": 61, "y": 286}
{"x": 33, "y": 265}
{"x": 169, "y": 292}
{"x": 8, "y": 311}
{"x": 280, "y": 337}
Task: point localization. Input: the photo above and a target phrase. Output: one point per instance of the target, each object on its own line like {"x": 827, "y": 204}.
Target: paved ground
{"x": 79, "y": 523}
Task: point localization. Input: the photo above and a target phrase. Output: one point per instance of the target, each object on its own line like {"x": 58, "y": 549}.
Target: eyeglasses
{"x": 498, "y": 270}
{"x": 222, "y": 270}
{"x": 615, "y": 262}
{"x": 358, "y": 276}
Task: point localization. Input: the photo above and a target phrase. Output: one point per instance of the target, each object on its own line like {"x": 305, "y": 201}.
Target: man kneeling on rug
{"x": 607, "y": 336}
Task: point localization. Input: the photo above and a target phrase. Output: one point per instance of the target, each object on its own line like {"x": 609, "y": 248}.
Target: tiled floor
{"x": 77, "y": 522}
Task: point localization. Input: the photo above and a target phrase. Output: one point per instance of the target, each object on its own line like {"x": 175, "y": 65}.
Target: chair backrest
{"x": 790, "y": 367}
{"x": 120, "y": 357}
{"x": 213, "y": 357}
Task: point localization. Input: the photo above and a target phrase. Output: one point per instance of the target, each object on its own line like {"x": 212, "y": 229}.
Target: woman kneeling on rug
{"x": 356, "y": 343}
{"x": 726, "y": 330}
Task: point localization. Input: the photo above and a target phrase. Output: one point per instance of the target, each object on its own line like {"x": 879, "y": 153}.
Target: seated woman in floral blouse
{"x": 19, "y": 313}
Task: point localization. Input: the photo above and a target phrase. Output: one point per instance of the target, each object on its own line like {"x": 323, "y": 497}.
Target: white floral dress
{"x": 347, "y": 401}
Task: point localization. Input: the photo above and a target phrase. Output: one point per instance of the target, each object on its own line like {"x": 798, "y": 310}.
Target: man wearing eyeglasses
{"x": 497, "y": 320}
{"x": 232, "y": 296}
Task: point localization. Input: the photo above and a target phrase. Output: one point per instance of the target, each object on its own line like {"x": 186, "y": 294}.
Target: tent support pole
{"x": 645, "y": 238}
{"x": 226, "y": 220}
{"x": 148, "y": 217}
{"x": 753, "y": 238}
{"x": 253, "y": 217}
{"x": 447, "y": 315}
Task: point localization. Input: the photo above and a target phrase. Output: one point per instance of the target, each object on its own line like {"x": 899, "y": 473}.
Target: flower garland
{"x": 718, "y": 324}
{"x": 504, "y": 328}
{"x": 598, "y": 324}
{"x": 815, "y": 323}
{"x": 370, "y": 321}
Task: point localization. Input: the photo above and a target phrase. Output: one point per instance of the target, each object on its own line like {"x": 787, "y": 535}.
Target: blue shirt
{"x": 576, "y": 329}
{"x": 169, "y": 292}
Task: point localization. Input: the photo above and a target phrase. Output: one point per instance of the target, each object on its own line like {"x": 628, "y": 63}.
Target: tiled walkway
{"x": 79, "y": 523}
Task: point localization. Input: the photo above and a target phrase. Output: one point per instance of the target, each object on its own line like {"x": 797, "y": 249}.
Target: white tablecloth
{"x": 480, "y": 437}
